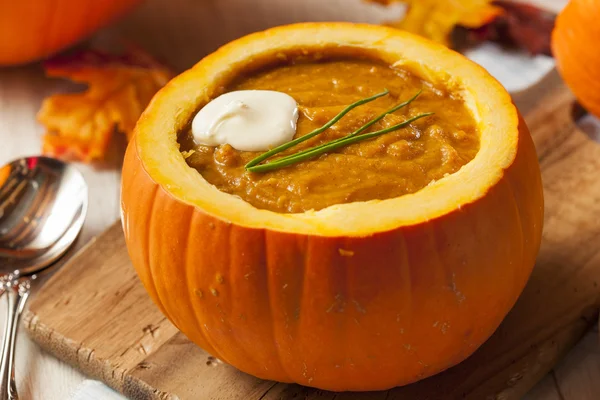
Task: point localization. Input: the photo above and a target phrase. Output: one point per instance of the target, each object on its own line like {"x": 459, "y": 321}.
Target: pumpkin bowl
{"x": 358, "y": 296}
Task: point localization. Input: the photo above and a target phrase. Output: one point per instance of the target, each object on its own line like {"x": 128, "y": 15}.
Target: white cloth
{"x": 95, "y": 390}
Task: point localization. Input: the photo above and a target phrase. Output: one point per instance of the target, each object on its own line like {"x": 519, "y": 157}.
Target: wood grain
{"x": 95, "y": 315}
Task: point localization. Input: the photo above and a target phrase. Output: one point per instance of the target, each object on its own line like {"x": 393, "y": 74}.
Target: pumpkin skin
{"x": 34, "y": 29}
{"x": 574, "y": 40}
{"x": 358, "y": 296}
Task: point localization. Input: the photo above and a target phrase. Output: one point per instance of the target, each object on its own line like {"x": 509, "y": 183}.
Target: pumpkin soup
{"x": 391, "y": 165}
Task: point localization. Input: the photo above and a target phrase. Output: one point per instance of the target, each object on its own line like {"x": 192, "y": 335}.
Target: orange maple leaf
{"x": 436, "y": 19}
{"x": 80, "y": 125}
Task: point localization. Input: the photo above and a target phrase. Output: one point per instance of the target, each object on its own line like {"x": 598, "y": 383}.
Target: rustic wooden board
{"x": 95, "y": 315}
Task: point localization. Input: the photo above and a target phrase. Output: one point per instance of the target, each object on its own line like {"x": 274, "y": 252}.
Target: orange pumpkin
{"x": 34, "y": 29}
{"x": 357, "y": 296}
{"x": 574, "y": 45}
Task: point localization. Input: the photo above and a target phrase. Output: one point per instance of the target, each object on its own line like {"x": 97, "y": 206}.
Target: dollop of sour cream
{"x": 248, "y": 120}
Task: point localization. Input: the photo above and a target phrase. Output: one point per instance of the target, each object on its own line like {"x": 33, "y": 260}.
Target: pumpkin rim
{"x": 174, "y": 105}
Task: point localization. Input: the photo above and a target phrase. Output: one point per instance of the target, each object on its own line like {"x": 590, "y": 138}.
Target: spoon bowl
{"x": 43, "y": 203}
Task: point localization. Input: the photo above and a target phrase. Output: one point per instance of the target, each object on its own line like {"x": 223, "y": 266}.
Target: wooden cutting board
{"x": 95, "y": 314}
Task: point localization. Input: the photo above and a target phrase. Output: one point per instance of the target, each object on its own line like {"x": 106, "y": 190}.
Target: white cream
{"x": 248, "y": 120}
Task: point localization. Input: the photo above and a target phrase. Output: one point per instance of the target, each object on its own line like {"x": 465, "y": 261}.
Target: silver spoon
{"x": 43, "y": 203}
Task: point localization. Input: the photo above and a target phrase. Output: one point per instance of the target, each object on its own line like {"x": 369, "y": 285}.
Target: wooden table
{"x": 40, "y": 376}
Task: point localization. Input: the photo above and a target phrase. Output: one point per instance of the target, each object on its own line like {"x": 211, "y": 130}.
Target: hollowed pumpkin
{"x": 357, "y": 296}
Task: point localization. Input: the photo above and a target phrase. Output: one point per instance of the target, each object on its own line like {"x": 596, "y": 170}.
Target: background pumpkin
{"x": 575, "y": 46}
{"x": 34, "y": 29}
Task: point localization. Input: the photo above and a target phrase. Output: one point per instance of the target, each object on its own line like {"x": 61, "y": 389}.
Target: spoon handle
{"x": 6, "y": 283}
{"x": 17, "y": 297}
{"x": 5, "y": 345}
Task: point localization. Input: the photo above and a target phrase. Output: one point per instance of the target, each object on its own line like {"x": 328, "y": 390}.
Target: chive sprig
{"x": 354, "y": 137}
{"x": 314, "y": 133}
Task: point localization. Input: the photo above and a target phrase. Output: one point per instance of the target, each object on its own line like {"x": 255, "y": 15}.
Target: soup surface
{"x": 391, "y": 165}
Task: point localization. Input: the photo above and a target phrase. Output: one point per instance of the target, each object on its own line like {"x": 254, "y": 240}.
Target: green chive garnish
{"x": 351, "y": 138}
{"x": 334, "y": 145}
{"x": 314, "y": 133}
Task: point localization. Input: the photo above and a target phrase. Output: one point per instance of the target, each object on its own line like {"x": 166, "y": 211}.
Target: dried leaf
{"x": 435, "y": 19}
{"x": 80, "y": 125}
{"x": 523, "y": 26}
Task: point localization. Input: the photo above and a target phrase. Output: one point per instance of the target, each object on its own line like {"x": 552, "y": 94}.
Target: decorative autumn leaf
{"x": 435, "y": 19}
{"x": 464, "y": 23}
{"x": 80, "y": 125}
{"x": 521, "y": 25}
